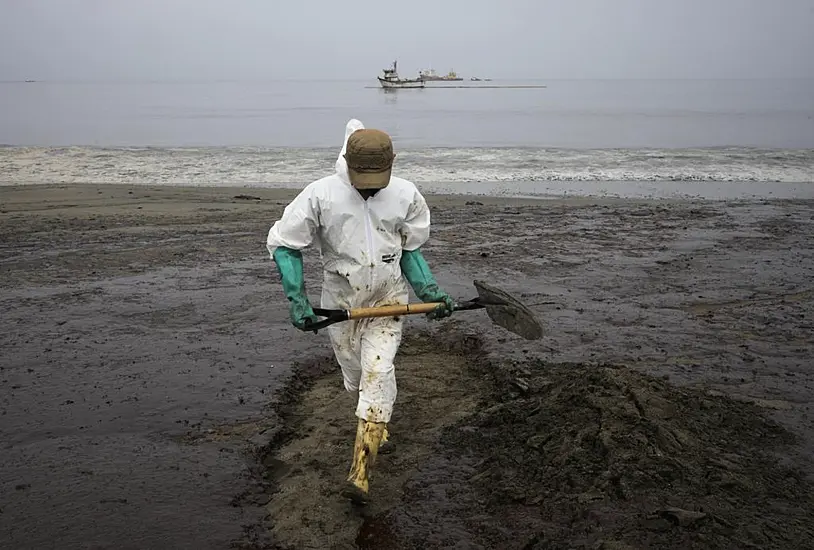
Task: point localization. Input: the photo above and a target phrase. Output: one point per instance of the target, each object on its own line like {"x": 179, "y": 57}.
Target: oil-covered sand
{"x": 155, "y": 395}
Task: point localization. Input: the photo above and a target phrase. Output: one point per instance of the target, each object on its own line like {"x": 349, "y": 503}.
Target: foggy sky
{"x": 277, "y": 39}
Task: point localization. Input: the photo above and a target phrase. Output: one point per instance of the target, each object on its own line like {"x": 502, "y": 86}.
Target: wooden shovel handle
{"x": 393, "y": 311}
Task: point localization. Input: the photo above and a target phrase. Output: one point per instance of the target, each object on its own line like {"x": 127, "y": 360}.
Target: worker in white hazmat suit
{"x": 369, "y": 227}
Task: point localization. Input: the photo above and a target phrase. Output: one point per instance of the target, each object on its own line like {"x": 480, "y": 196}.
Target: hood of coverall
{"x": 341, "y": 164}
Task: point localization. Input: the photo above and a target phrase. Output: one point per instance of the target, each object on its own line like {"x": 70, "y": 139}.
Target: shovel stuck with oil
{"x": 502, "y": 308}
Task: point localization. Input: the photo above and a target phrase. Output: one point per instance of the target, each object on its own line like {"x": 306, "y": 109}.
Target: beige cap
{"x": 369, "y": 155}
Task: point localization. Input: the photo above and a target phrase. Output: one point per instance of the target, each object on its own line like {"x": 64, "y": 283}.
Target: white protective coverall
{"x": 360, "y": 242}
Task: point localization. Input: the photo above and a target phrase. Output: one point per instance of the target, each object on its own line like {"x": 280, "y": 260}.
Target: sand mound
{"x": 538, "y": 456}
{"x": 604, "y": 457}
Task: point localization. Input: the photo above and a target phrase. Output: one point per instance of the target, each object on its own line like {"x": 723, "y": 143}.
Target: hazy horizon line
{"x": 373, "y": 79}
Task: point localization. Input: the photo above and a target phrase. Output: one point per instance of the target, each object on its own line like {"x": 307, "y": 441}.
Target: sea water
{"x": 561, "y": 137}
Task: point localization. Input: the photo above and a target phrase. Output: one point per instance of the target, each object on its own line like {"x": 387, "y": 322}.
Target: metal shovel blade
{"x": 506, "y": 311}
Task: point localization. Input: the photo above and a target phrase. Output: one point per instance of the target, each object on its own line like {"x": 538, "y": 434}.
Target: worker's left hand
{"x": 441, "y": 311}
{"x": 301, "y": 313}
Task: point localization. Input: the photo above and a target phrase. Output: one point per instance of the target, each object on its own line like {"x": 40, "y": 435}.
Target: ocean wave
{"x": 280, "y": 167}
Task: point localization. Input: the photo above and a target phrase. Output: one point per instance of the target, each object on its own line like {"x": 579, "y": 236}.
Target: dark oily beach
{"x": 155, "y": 394}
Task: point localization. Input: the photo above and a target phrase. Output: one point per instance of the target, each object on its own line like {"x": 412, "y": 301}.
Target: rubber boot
{"x": 365, "y": 450}
{"x": 386, "y": 446}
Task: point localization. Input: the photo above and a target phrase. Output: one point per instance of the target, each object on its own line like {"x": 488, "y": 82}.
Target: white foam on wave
{"x": 278, "y": 167}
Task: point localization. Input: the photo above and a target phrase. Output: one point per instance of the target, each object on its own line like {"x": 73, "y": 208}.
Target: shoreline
{"x": 513, "y": 192}
{"x": 519, "y": 168}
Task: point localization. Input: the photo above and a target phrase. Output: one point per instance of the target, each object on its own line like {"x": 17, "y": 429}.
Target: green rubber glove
{"x": 289, "y": 262}
{"x": 418, "y": 274}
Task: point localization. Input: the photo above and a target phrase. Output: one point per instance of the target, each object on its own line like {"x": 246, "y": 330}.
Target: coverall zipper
{"x": 369, "y": 234}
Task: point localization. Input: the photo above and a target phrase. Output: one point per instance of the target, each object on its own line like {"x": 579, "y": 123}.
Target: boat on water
{"x": 391, "y": 79}
{"x": 430, "y": 75}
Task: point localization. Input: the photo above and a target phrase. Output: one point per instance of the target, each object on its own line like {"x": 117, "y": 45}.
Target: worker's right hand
{"x": 289, "y": 262}
{"x": 301, "y": 312}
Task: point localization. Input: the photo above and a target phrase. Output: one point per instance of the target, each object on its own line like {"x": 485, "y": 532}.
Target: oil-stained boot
{"x": 386, "y": 446}
{"x": 365, "y": 450}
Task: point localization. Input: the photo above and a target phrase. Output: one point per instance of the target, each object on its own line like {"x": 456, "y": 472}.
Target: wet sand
{"x": 155, "y": 394}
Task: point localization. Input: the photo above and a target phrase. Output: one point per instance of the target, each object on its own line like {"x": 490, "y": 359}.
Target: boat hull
{"x": 400, "y": 84}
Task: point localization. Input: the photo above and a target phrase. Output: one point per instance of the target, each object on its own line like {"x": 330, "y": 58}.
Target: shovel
{"x": 502, "y": 308}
